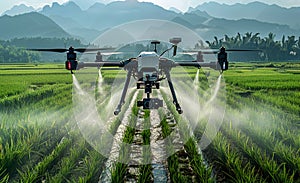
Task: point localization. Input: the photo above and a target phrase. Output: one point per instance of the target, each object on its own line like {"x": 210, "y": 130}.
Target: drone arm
{"x": 212, "y": 65}
{"x": 175, "y": 101}
{"x": 122, "y": 101}
{"x": 99, "y": 64}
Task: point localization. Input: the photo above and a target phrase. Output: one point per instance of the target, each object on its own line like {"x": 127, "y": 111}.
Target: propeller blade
{"x": 62, "y": 50}
{"x": 107, "y": 53}
{"x": 81, "y": 50}
{"x": 217, "y": 51}
{"x": 241, "y": 50}
{"x": 209, "y": 52}
{"x": 202, "y": 52}
{"x": 58, "y": 50}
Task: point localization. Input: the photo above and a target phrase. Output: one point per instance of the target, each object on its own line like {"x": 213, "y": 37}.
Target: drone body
{"x": 148, "y": 66}
{"x": 148, "y": 69}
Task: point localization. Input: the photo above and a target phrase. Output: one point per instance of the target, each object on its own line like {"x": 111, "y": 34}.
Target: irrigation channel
{"x": 151, "y": 145}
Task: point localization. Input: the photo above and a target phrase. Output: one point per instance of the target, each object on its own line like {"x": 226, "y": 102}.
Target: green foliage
{"x": 12, "y": 54}
{"x": 272, "y": 50}
{"x": 40, "y": 42}
{"x": 13, "y": 51}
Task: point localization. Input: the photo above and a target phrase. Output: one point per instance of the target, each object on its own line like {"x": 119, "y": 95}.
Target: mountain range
{"x": 29, "y": 25}
{"x": 19, "y": 9}
{"x": 255, "y": 10}
{"x": 90, "y": 19}
{"x": 99, "y": 17}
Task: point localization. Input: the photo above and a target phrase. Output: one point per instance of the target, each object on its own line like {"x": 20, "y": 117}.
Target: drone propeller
{"x": 62, "y": 50}
{"x": 50, "y": 50}
{"x": 243, "y": 50}
{"x": 81, "y": 50}
{"x": 202, "y": 52}
{"x": 217, "y": 51}
{"x": 109, "y": 53}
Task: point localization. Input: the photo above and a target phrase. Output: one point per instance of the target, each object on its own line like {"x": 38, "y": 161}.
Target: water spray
{"x": 100, "y": 81}
{"x": 196, "y": 80}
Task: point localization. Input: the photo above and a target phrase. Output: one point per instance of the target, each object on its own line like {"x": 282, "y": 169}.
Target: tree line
{"x": 14, "y": 50}
{"x": 269, "y": 49}
{"x": 288, "y": 48}
{"x": 13, "y": 54}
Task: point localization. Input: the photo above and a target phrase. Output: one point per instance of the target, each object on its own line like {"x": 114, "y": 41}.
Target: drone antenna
{"x": 175, "y": 41}
{"x": 155, "y": 45}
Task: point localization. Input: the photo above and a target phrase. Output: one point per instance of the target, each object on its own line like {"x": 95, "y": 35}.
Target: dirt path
{"x": 118, "y": 137}
{"x": 158, "y": 144}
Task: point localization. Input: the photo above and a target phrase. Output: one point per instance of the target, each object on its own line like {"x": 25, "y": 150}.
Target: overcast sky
{"x": 179, "y": 4}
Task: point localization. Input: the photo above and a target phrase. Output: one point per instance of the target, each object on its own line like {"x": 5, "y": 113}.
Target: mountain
{"x": 87, "y": 24}
{"x": 84, "y": 4}
{"x": 100, "y": 16}
{"x": 118, "y": 12}
{"x": 91, "y": 22}
{"x": 255, "y": 10}
{"x": 175, "y": 10}
{"x": 29, "y": 25}
{"x": 192, "y": 20}
{"x": 220, "y": 27}
{"x": 19, "y": 9}
{"x": 69, "y": 9}
{"x": 207, "y": 26}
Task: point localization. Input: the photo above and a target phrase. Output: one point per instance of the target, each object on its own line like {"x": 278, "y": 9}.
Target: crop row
{"x": 272, "y": 148}
{"x": 16, "y": 84}
{"x": 202, "y": 171}
{"x": 28, "y": 142}
{"x": 146, "y": 169}
{"x": 120, "y": 168}
{"x": 18, "y": 101}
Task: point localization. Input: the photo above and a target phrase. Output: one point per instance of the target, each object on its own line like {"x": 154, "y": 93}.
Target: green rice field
{"x": 258, "y": 141}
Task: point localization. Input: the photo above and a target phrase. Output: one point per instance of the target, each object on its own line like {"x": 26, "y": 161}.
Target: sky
{"x": 179, "y": 4}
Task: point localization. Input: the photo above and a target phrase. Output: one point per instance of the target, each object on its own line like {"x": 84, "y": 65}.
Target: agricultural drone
{"x": 148, "y": 69}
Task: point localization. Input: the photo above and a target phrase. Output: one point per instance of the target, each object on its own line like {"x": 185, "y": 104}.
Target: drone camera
{"x": 150, "y": 103}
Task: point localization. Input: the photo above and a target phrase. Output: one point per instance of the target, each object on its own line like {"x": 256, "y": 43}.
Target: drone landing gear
{"x": 122, "y": 101}
{"x": 175, "y": 101}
